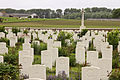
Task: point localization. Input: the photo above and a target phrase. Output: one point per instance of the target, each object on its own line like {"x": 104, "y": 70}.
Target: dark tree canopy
{"x": 70, "y": 13}
{"x": 116, "y": 13}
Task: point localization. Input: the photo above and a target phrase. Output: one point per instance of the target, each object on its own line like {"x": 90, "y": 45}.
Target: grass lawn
{"x": 57, "y": 23}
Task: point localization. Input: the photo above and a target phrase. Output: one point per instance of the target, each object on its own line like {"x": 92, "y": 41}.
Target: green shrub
{"x": 37, "y": 59}
{"x": 91, "y": 46}
{"x": 82, "y": 33}
{"x": 43, "y": 46}
{"x": 2, "y": 29}
{"x": 21, "y": 40}
{"x": 11, "y": 58}
{"x": 15, "y": 30}
{"x": 25, "y": 31}
{"x": 72, "y": 47}
{"x": 113, "y": 38}
{"x": 72, "y": 60}
{"x": 67, "y": 51}
{"x": 1, "y": 20}
{"x": 115, "y": 75}
{"x": 115, "y": 63}
{"x": 44, "y": 32}
{"x": 36, "y": 48}
{"x": 55, "y": 32}
{"x": 39, "y": 48}
{"x": 9, "y": 72}
{"x": 62, "y": 51}
{"x": 7, "y": 41}
{"x": 115, "y": 60}
{"x": 62, "y": 36}
{"x": 50, "y": 37}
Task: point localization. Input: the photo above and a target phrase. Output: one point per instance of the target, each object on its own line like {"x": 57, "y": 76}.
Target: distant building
{"x": 19, "y": 15}
{"x": 34, "y": 15}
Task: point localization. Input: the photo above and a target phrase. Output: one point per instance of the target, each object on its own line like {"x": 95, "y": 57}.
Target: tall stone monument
{"x": 82, "y": 21}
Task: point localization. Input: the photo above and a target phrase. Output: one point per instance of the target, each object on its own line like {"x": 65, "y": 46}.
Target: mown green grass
{"x": 15, "y": 19}
{"x": 58, "y": 23}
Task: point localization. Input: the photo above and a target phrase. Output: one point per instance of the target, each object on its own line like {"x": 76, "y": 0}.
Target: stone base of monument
{"x": 82, "y": 27}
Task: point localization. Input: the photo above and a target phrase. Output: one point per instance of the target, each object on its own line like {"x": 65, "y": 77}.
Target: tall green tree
{"x": 59, "y": 13}
{"x": 116, "y": 13}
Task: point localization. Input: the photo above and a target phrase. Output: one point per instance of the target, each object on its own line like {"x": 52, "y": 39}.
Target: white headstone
{"x": 90, "y": 73}
{"x": 25, "y": 62}
{"x": 80, "y": 55}
{"x": 92, "y": 57}
{"x": 54, "y": 53}
{"x": 26, "y": 46}
{"x": 3, "y": 48}
{"x": 62, "y": 65}
{"x": 1, "y": 59}
{"x": 38, "y": 71}
{"x": 57, "y": 44}
{"x": 46, "y": 58}
{"x": 13, "y": 41}
{"x": 27, "y": 39}
{"x": 2, "y": 35}
{"x": 49, "y": 44}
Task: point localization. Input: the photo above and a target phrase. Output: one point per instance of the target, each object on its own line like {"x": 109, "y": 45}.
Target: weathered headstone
{"x": 90, "y": 73}
{"x": 3, "y": 48}
{"x": 107, "y": 52}
{"x": 62, "y": 65}
{"x": 13, "y": 41}
{"x": 49, "y": 44}
{"x": 26, "y": 46}
{"x": 80, "y": 55}
{"x": 38, "y": 71}
{"x": 46, "y": 58}
{"x": 2, "y": 35}
{"x": 34, "y": 35}
{"x": 1, "y": 59}
{"x": 10, "y": 35}
{"x": 27, "y": 52}
{"x": 54, "y": 53}
{"x": 92, "y": 57}
{"x": 25, "y": 62}
{"x": 27, "y": 39}
{"x": 57, "y": 44}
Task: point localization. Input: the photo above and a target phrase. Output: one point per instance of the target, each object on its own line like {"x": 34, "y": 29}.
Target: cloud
{"x": 55, "y": 4}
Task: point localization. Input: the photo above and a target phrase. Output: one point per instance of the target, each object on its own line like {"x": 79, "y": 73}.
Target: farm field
{"x": 58, "y": 23}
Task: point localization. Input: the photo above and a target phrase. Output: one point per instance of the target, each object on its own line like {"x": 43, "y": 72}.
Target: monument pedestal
{"x": 82, "y": 27}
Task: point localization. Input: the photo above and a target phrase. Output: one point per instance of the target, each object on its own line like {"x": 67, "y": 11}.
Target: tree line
{"x": 70, "y": 13}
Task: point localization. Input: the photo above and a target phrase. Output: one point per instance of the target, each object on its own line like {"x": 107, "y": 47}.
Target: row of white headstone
{"x": 48, "y": 59}
{"x": 99, "y": 68}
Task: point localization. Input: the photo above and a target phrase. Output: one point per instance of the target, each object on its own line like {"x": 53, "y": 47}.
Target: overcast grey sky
{"x": 55, "y": 4}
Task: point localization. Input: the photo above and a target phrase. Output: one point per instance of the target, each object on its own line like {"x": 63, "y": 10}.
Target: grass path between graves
{"x": 59, "y": 23}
